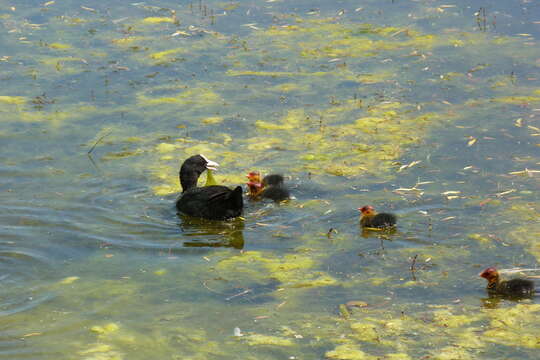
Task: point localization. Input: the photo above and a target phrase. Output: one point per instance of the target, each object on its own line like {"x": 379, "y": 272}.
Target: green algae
{"x": 272, "y": 126}
{"x": 15, "y": 100}
{"x": 292, "y": 270}
{"x": 274, "y": 74}
{"x": 259, "y": 339}
{"x": 69, "y": 280}
{"x": 210, "y": 179}
{"x": 166, "y": 54}
{"x": 359, "y": 131}
{"x": 105, "y": 330}
{"x": 59, "y": 46}
{"x": 480, "y": 238}
{"x": 121, "y": 154}
{"x": 212, "y": 120}
{"x": 100, "y": 352}
{"x": 157, "y": 20}
{"x": 199, "y": 96}
{"x": 347, "y": 352}
{"x": 514, "y": 327}
{"x": 526, "y": 230}
{"x": 452, "y": 353}
{"x": 446, "y": 318}
{"x": 516, "y": 100}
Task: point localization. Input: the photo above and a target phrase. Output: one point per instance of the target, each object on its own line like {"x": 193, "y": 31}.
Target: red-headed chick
{"x": 371, "y": 219}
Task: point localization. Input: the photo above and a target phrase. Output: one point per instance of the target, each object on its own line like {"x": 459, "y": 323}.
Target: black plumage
{"x": 215, "y": 202}
{"x": 273, "y": 180}
{"x": 271, "y": 187}
{"x": 274, "y": 188}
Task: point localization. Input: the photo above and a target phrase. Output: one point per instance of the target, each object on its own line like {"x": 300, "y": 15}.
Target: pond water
{"x": 428, "y": 109}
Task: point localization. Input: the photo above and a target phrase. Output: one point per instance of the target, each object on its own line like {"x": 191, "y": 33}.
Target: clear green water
{"x": 339, "y": 96}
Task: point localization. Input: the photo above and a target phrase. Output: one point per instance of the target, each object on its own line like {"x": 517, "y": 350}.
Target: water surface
{"x": 427, "y": 109}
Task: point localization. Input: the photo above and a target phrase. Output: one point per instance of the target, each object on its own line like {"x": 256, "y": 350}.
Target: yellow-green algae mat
{"x": 354, "y": 137}
{"x": 337, "y": 136}
{"x": 364, "y": 331}
{"x": 342, "y": 136}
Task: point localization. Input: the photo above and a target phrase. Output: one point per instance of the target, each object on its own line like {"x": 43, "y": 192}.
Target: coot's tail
{"x": 235, "y": 198}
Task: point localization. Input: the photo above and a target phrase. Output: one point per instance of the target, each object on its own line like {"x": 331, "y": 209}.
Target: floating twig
{"x": 93, "y": 162}
{"x": 247, "y": 291}
{"x": 212, "y": 290}
{"x": 518, "y": 270}
{"x": 98, "y": 141}
{"x": 413, "y": 263}
{"x": 412, "y": 268}
{"x": 330, "y": 231}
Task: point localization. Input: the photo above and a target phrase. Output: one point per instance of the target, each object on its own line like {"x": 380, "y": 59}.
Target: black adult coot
{"x": 513, "y": 288}
{"x": 272, "y": 186}
{"x": 215, "y": 202}
{"x": 371, "y": 219}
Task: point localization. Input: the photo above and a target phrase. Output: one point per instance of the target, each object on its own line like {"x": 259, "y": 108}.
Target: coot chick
{"x": 215, "y": 202}
{"x": 371, "y": 219}
{"x": 513, "y": 288}
{"x": 254, "y": 184}
{"x": 272, "y": 186}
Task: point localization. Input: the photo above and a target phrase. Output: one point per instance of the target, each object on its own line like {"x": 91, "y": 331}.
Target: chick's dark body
{"x": 274, "y": 188}
{"x": 513, "y": 287}
{"x": 381, "y": 220}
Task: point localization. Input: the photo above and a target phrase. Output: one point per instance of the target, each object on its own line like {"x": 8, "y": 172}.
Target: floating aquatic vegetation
{"x": 452, "y": 353}
{"x": 195, "y": 96}
{"x": 211, "y": 120}
{"x": 517, "y": 100}
{"x": 348, "y": 352}
{"x": 59, "y": 46}
{"x": 158, "y": 20}
{"x": 69, "y": 280}
{"x": 514, "y": 326}
{"x": 446, "y": 318}
{"x": 160, "y": 272}
{"x": 131, "y": 40}
{"x": 121, "y": 154}
{"x": 292, "y": 270}
{"x": 316, "y": 96}
{"x": 166, "y": 54}
{"x": 166, "y": 147}
{"x": 259, "y": 339}
{"x": 210, "y": 179}
{"x": 480, "y": 238}
{"x": 105, "y": 329}
{"x": 15, "y": 100}
{"x": 101, "y": 352}
{"x": 526, "y": 230}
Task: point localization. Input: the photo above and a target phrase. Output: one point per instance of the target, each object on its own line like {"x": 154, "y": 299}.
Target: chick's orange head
{"x": 367, "y": 210}
{"x": 254, "y": 176}
{"x": 489, "y": 273}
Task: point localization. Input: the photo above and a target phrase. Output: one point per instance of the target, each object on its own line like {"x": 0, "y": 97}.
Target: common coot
{"x": 215, "y": 202}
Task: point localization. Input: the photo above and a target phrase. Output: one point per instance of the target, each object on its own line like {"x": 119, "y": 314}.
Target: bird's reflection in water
{"x": 384, "y": 234}
{"x": 212, "y": 233}
{"x": 380, "y": 234}
{"x": 493, "y": 301}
